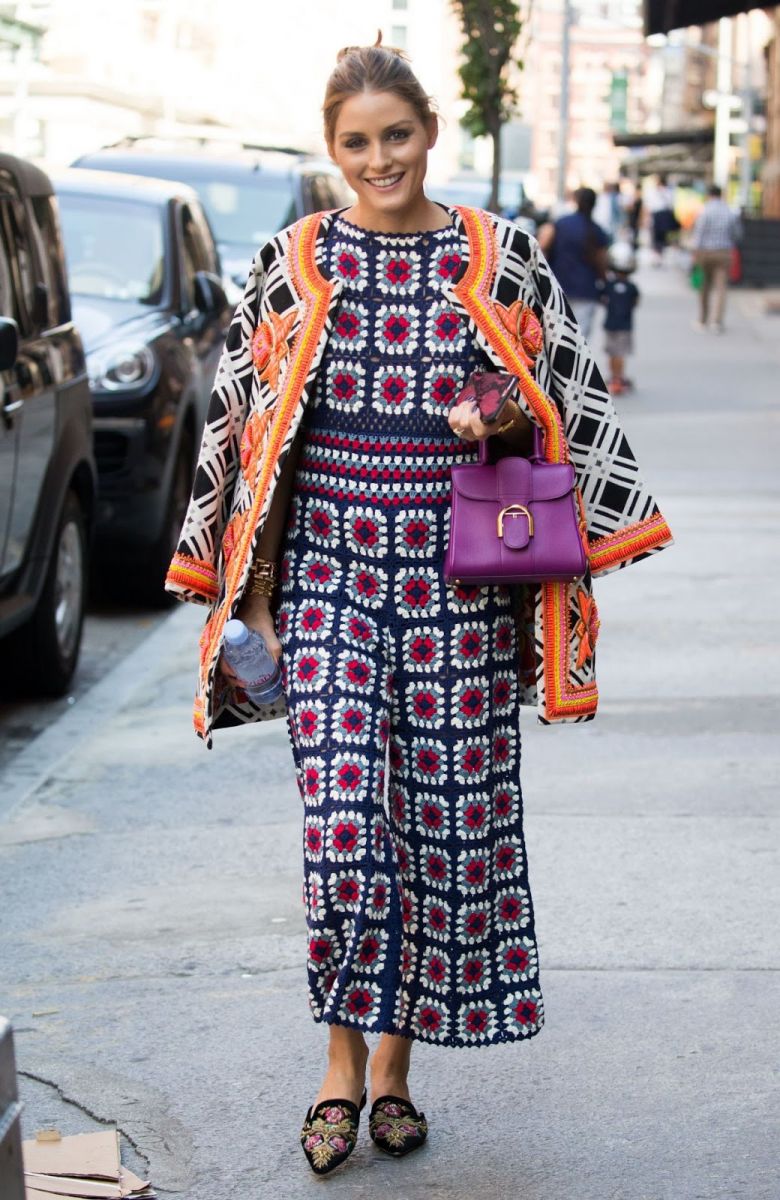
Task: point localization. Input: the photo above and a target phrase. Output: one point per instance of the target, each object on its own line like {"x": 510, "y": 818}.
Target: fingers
{"x": 464, "y": 419}
{"x": 227, "y": 671}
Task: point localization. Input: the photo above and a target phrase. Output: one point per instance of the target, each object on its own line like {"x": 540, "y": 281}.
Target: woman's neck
{"x": 421, "y": 217}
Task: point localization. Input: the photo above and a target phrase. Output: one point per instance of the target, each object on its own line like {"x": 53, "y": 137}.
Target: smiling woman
{"x": 379, "y": 126}
{"x": 320, "y": 517}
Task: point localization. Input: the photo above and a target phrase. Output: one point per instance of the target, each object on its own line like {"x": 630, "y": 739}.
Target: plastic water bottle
{"x": 247, "y": 654}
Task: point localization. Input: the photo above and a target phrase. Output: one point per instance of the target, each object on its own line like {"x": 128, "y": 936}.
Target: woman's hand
{"x": 255, "y": 612}
{"x": 465, "y": 420}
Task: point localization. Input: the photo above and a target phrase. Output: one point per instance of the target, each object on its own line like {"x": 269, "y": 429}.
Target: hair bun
{"x": 347, "y": 50}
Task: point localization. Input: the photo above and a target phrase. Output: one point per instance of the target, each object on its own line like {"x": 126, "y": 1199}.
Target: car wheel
{"x": 152, "y": 576}
{"x": 47, "y": 647}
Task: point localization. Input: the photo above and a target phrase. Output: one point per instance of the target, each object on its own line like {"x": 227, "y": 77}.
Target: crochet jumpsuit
{"x": 403, "y": 704}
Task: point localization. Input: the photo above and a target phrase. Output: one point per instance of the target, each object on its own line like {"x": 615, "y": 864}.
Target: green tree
{"x": 491, "y": 29}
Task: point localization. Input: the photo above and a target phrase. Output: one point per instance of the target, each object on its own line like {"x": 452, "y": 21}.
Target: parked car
{"x": 145, "y": 278}
{"x": 248, "y": 193}
{"x": 513, "y": 199}
{"x": 47, "y": 472}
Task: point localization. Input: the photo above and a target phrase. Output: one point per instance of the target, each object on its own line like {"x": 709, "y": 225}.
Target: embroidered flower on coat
{"x": 522, "y": 323}
{"x": 270, "y": 345}
{"x": 587, "y": 628}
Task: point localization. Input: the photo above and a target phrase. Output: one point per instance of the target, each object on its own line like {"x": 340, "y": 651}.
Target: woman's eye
{"x": 355, "y": 143}
{"x": 399, "y": 135}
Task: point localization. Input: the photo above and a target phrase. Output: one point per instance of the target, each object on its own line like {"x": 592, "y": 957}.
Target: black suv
{"x": 248, "y": 192}
{"x": 145, "y": 278}
{"x": 47, "y": 475}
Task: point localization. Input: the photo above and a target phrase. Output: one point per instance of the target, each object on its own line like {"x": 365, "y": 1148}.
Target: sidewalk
{"x": 152, "y": 890}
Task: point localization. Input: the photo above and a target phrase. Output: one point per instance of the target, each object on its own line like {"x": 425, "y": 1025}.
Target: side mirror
{"x": 209, "y": 293}
{"x": 9, "y": 343}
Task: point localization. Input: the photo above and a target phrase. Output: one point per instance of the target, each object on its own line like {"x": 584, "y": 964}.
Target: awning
{"x": 661, "y": 16}
{"x": 703, "y": 135}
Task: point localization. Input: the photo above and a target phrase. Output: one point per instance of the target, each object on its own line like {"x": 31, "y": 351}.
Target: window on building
{"x": 398, "y": 36}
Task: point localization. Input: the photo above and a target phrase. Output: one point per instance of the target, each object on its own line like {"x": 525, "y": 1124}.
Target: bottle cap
{"x": 236, "y": 632}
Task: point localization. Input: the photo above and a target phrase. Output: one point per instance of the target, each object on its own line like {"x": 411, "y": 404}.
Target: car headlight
{"x": 120, "y": 368}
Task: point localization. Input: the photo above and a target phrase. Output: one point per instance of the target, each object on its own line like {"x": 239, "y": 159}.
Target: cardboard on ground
{"x": 85, "y": 1166}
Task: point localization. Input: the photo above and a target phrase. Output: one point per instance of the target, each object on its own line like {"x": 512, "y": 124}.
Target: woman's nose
{"x": 379, "y": 158}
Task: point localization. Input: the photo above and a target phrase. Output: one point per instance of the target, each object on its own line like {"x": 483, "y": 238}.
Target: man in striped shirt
{"x": 714, "y": 237}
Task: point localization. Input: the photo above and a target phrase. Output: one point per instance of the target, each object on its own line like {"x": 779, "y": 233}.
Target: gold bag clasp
{"x": 515, "y": 510}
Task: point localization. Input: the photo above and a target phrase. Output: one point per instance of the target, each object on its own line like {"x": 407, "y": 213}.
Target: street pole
{"x": 720, "y": 157}
{"x": 563, "y": 133}
{"x": 727, "y": 65}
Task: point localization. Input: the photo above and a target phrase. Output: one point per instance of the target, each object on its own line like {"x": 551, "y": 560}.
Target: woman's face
{"x": 381, "y": 146}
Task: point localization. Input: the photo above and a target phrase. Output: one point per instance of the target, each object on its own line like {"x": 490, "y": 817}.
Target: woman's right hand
{"x": 255, "y": 612}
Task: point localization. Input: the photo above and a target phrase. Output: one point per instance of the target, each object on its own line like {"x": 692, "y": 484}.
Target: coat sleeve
{"x": 624, "y": 523}
{"x": 192, "y": 574}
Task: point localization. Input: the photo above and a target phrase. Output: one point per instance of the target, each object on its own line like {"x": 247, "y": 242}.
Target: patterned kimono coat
{"x": 520, "y": 318}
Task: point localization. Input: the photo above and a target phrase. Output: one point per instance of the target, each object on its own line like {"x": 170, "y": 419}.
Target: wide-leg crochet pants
{"x": 403, "y": 715}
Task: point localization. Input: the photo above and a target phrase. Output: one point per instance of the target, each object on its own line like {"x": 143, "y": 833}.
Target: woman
{"x": 319, "y": 516}
{"x": 663, "y": 222}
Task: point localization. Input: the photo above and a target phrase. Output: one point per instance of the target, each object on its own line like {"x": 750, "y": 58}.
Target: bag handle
{"x": 537, "y": 448}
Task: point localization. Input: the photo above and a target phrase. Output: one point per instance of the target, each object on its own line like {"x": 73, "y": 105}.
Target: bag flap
{"x": 513, "y": 479}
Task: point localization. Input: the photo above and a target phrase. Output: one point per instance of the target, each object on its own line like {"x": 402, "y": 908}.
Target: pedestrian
{"x": 319, "y": 516}
{"x": 715, "y": 235}
{"x": 620, "y": 296}
{"x": 635, "y": 217}
{"x": 663, "y": 222}
{"x": 576, "y": 248}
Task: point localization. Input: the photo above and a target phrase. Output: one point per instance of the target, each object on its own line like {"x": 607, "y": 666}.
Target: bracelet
{"x": 262, "y": 577}
{"x": 510, "y": 424}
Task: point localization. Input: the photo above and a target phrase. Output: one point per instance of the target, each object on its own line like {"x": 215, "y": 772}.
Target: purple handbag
{"x": 514, "y": 521}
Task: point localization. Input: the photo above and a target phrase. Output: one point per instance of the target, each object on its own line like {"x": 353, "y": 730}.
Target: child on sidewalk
{"x": 620, "y": 297}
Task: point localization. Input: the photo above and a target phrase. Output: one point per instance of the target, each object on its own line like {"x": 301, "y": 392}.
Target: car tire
{"x": 151, "y": 575}
{"x": 46, "y": 649}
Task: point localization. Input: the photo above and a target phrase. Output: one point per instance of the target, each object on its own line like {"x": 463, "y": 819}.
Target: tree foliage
{"x": 491, "y": 29}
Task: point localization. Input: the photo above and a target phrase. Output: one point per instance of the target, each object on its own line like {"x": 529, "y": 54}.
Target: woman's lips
{"x": 386, "y": 183}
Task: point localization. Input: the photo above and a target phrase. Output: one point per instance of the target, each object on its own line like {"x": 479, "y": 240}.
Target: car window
{"x": 19, "y": 289}
{"x": 115, "y": 248}
{"x": 53, "y": 258}
{"x": 211, "y": 256}
{"x": 195, "y": 251}
{"x": 248, "y": 212}
{"x": 321, "y": 193}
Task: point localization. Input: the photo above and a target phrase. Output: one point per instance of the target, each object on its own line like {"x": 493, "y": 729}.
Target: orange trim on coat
{"x": 616, "y": 548}
{"x": 562, "y": 699}
{"x": 473, "y": 291}
{"x": 315, "y": 292}
{"x": 195, "y": 574}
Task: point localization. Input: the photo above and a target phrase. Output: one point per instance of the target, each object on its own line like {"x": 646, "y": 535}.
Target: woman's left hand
{"x": 465, "y": 420}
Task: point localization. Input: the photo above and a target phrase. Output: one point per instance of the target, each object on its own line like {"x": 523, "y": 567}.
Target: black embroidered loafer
{"x": 329, "y": 1133}
{"x": 396, "y": 1126}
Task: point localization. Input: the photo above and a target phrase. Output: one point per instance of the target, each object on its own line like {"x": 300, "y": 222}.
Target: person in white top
{"x": 660, "y": 205}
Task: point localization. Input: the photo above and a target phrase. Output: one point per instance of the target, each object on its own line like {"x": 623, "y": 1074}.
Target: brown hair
{"x": 374, "y": 68}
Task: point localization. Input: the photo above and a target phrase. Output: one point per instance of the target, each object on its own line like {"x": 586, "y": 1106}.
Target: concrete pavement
{"x": 152, "y": 945}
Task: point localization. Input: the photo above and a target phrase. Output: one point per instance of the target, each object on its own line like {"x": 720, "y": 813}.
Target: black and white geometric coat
{"x": 266, "y": 377}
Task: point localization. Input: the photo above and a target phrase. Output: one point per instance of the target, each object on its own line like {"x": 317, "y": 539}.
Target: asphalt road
{"x": 111, "y": 632}
{"x": 152, "y": 946}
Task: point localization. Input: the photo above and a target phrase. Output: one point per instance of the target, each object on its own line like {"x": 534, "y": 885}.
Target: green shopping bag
{"x": 697, "y": 276}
